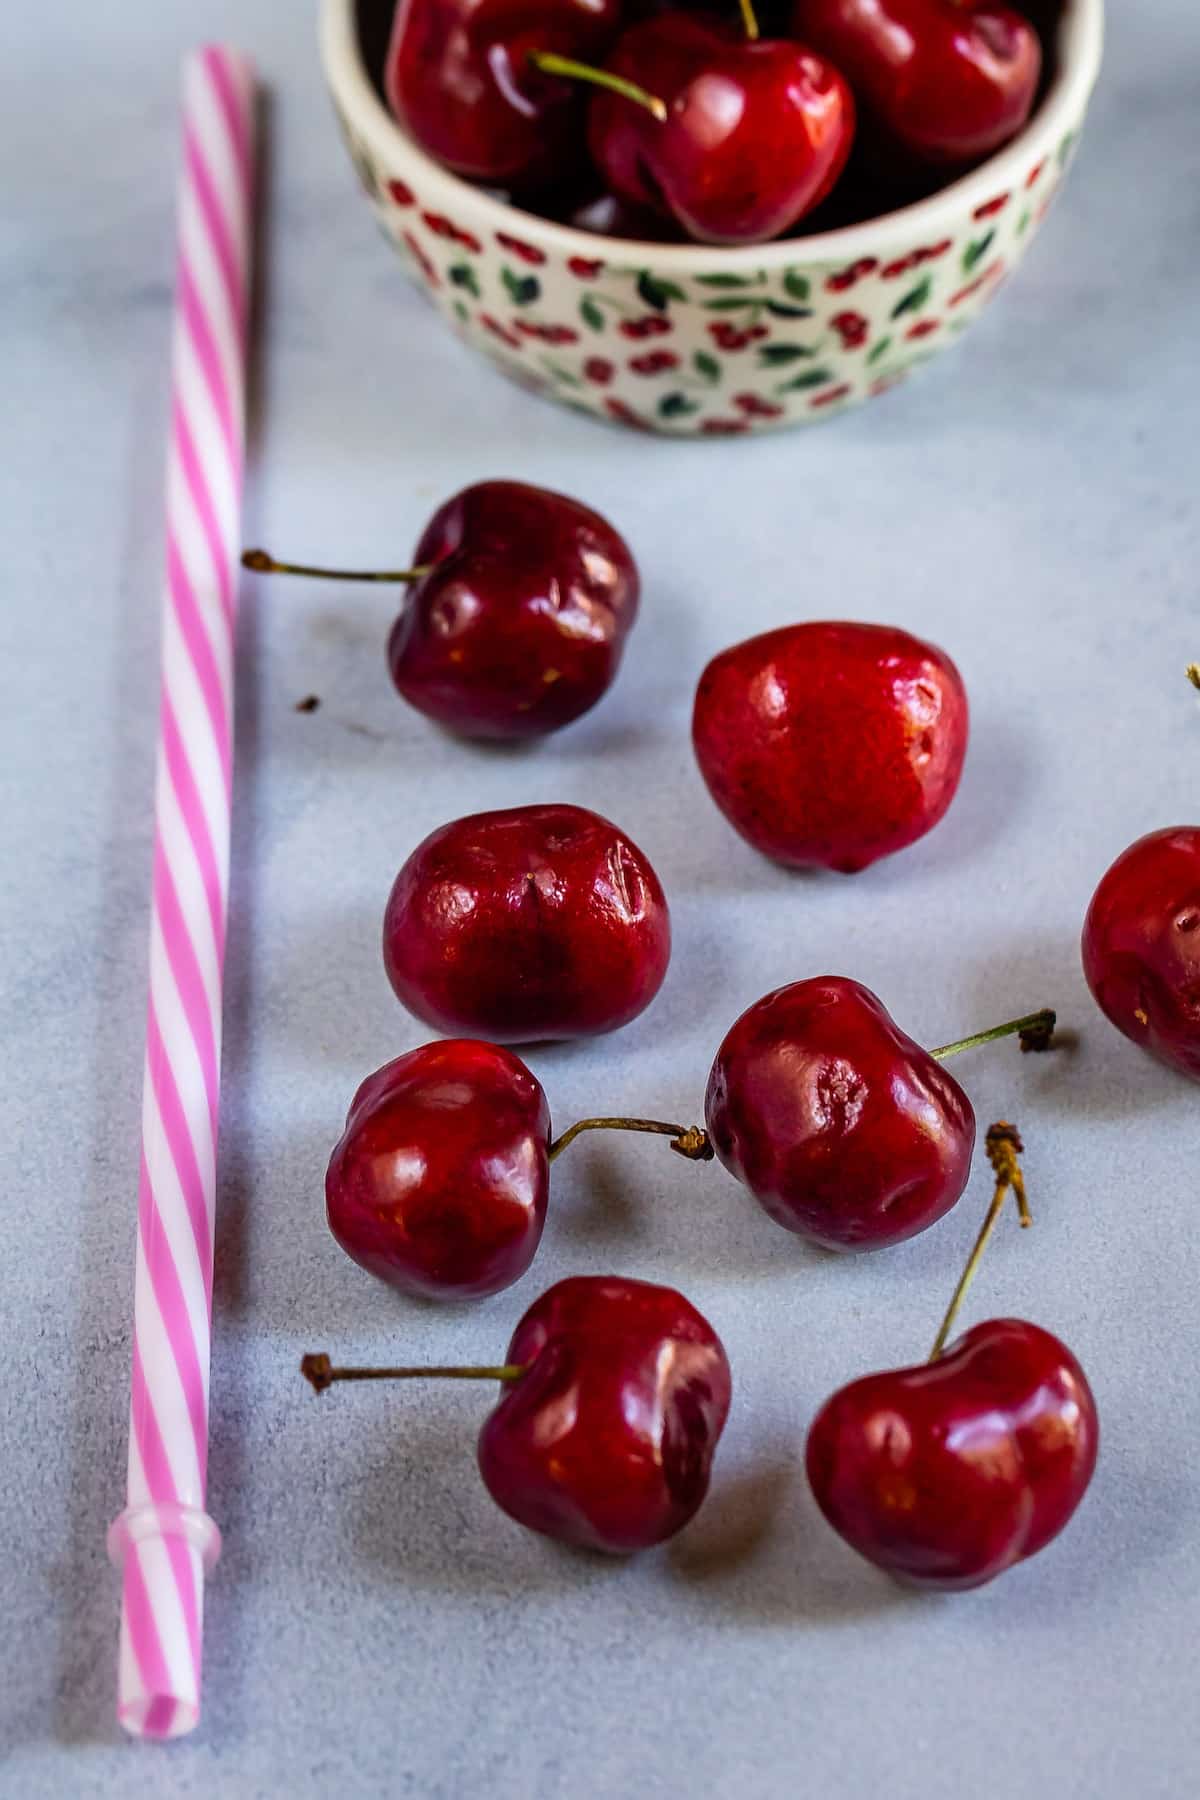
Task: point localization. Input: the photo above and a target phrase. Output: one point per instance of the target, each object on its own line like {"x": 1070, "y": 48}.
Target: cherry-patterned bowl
{"x": 697, "y": 341}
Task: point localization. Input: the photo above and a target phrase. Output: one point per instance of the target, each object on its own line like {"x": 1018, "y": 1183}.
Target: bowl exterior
{"x": 712, "y": 353}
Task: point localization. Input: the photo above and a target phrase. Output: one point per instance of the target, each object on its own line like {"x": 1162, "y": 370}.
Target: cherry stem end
{"x": 1003, "y": 1142}
{"x": 1035, "y": 1031}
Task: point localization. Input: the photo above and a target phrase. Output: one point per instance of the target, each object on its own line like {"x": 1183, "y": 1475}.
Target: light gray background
{"x": 376, "y": 1626}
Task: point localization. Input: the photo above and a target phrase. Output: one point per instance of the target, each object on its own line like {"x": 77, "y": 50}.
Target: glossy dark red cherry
{"x": 948, "y": 1473}
{"x": 831, "y": 745}
{"x": 942, "y": 82}
{"x": 1141, "y": 945}
{"x": 459, "y": 78}
{"x": 843, "y": 1128}
{"x": 535, "y": 922}
{"x": 520, "y": 624}
{"x": 606, "y": 1439}
{"x": 755, "y": 135}
{"x": 439, "y": 1182}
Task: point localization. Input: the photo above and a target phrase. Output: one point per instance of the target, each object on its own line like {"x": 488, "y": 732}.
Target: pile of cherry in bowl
{"x": 647, "y": 119}
{"x": 825, "y": 745}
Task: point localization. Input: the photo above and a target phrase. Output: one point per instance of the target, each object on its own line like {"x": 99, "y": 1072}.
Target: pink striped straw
{"x": 164, "y": 1540}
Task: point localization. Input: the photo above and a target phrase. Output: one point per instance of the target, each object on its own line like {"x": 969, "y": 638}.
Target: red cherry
{"x": 831, "y": 745}
{"x": 439, "y": 1182}
{"x": 459, "y": 78}
{"x": 755, "y": 133}
{"x": 842, "y": 1127}
{"x": 606, "y": 1440}
{"x": 942, "y": 81}
{"x": 521, "y": 623}
{"x": 1141, "y": 946}
{"x": 948, "y": 1473}
{"x": 537, "y": 922}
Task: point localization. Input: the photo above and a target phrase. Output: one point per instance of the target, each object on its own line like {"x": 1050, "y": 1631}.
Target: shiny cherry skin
{"x": 844, "y": 1130}
{"x": 439, "y": 1182}
{"x": 606, "y": 1441}
{"x": 831, "y": 745}
{"x": 531, "y": 923}
{"x": 459, "y": 79}
{"x": 948, "y": 1473}
{"x": 1141, "y": 946}
{"x": 755, "y": 136}
{"x": 942, "y": 82}
{"x": 520, "y": 625}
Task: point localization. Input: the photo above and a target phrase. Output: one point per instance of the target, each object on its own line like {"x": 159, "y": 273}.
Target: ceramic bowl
{"x": 697, "y": 341}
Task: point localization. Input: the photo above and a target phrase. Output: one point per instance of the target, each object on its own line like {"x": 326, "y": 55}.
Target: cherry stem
{"x": 263, "y": 563}
{"x": 550, "y": 63}
{"x": 689, "y": 1140}
{"x": 1003, "y": 1141}
{"x": 1193, "y": 674}
{"x": 317, "y": 1369}
{"x": 1036, "y": 1031}
{"x": 749, "y": 20}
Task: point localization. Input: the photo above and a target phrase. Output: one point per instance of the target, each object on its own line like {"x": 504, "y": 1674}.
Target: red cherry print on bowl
{"x": 654, "y": 362}
{"x": 949, "y": 1473}
{"x": 492, "y": 325}
{"x": 852, "y": 328}
{"x": 613, "y": 1398}
{"x": 401, "y": 194}
{"x": 532, "y": 923}
{"x": 755, "y": 407}
{"x": 440, "y": 1180}
{"x": 585, "y": 268}
{"x": 831, "y": 745}
{"x": 844, "y": 1130}
{"x": 599, "y": 370}
{"x": 1141, "y": 946}
{"x": 844, "y": 279}
{"x": 831, "y": 396}
{"x": 527, "y": 253}
{"x": 941, "y": 83}
{"x": 650, "y": 325}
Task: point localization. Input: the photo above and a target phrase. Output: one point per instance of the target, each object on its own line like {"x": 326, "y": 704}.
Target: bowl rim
{"x": 1080, "y": 46}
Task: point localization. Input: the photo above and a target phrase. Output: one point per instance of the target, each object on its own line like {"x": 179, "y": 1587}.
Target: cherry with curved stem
{"x": 263, "y": 563}
{"x": 1035, "y": 1031}
{"x": 1003, "y": 1142}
